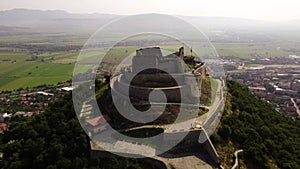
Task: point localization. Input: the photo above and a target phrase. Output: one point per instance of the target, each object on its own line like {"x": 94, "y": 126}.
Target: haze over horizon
{"x": 257, "y": 10}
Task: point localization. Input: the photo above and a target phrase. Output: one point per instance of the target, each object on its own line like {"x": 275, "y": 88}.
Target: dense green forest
{"x": 54, "y": 139}
{"x": 268, "y": 138}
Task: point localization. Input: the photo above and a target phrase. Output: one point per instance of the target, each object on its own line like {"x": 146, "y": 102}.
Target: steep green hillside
{"x": 268, "y": 138}
{"x": 54, "y": 139}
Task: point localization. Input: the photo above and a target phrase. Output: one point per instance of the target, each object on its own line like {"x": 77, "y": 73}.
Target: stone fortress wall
{"x": 152, "y": 71}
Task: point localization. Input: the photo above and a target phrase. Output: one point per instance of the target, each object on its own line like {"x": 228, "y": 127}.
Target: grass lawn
{"x": 143, "y": 132}
{"x": 214, "y": 86}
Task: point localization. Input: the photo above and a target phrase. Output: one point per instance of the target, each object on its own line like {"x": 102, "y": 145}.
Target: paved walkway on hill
{"x": 295, "y": 105}
{"x": 236, "y": 163}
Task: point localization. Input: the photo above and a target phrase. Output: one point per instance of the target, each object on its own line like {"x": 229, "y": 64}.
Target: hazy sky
{"x": 252, "y": 9}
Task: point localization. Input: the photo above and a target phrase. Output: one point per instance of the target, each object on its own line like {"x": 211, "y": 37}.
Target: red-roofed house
{"x": 97, "y": 124}
{"x": 3, "y": 127}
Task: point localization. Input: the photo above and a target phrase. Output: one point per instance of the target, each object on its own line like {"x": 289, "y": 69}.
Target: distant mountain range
{"x": 62, "y": 20}
{"x": 28, "y": 16}
{"x": 52, "y": 20}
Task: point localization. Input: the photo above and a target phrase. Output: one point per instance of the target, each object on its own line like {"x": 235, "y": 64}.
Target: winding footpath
{"x": 236, "y": 163}
{"x": 295, "y": 105}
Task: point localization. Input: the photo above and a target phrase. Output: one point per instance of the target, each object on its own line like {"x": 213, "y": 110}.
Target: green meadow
{"x": 17, "y": 73}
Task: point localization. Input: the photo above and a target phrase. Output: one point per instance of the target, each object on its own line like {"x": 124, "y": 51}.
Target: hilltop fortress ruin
{"x": 179, "y": 77}
{"x": 151, "y": 71}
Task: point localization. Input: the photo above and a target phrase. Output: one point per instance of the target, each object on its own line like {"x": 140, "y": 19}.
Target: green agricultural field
{"x": 32, "y": 82}
{"x": 6, "y": 56}
{"x": 30, "y": 74}
{"x": 16, "y": 72}
{"x": 60, "y": 57}
{"x": 38, "y": 38}
{"x": 249, "y": 50}
{"x": 49, "y": 54}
